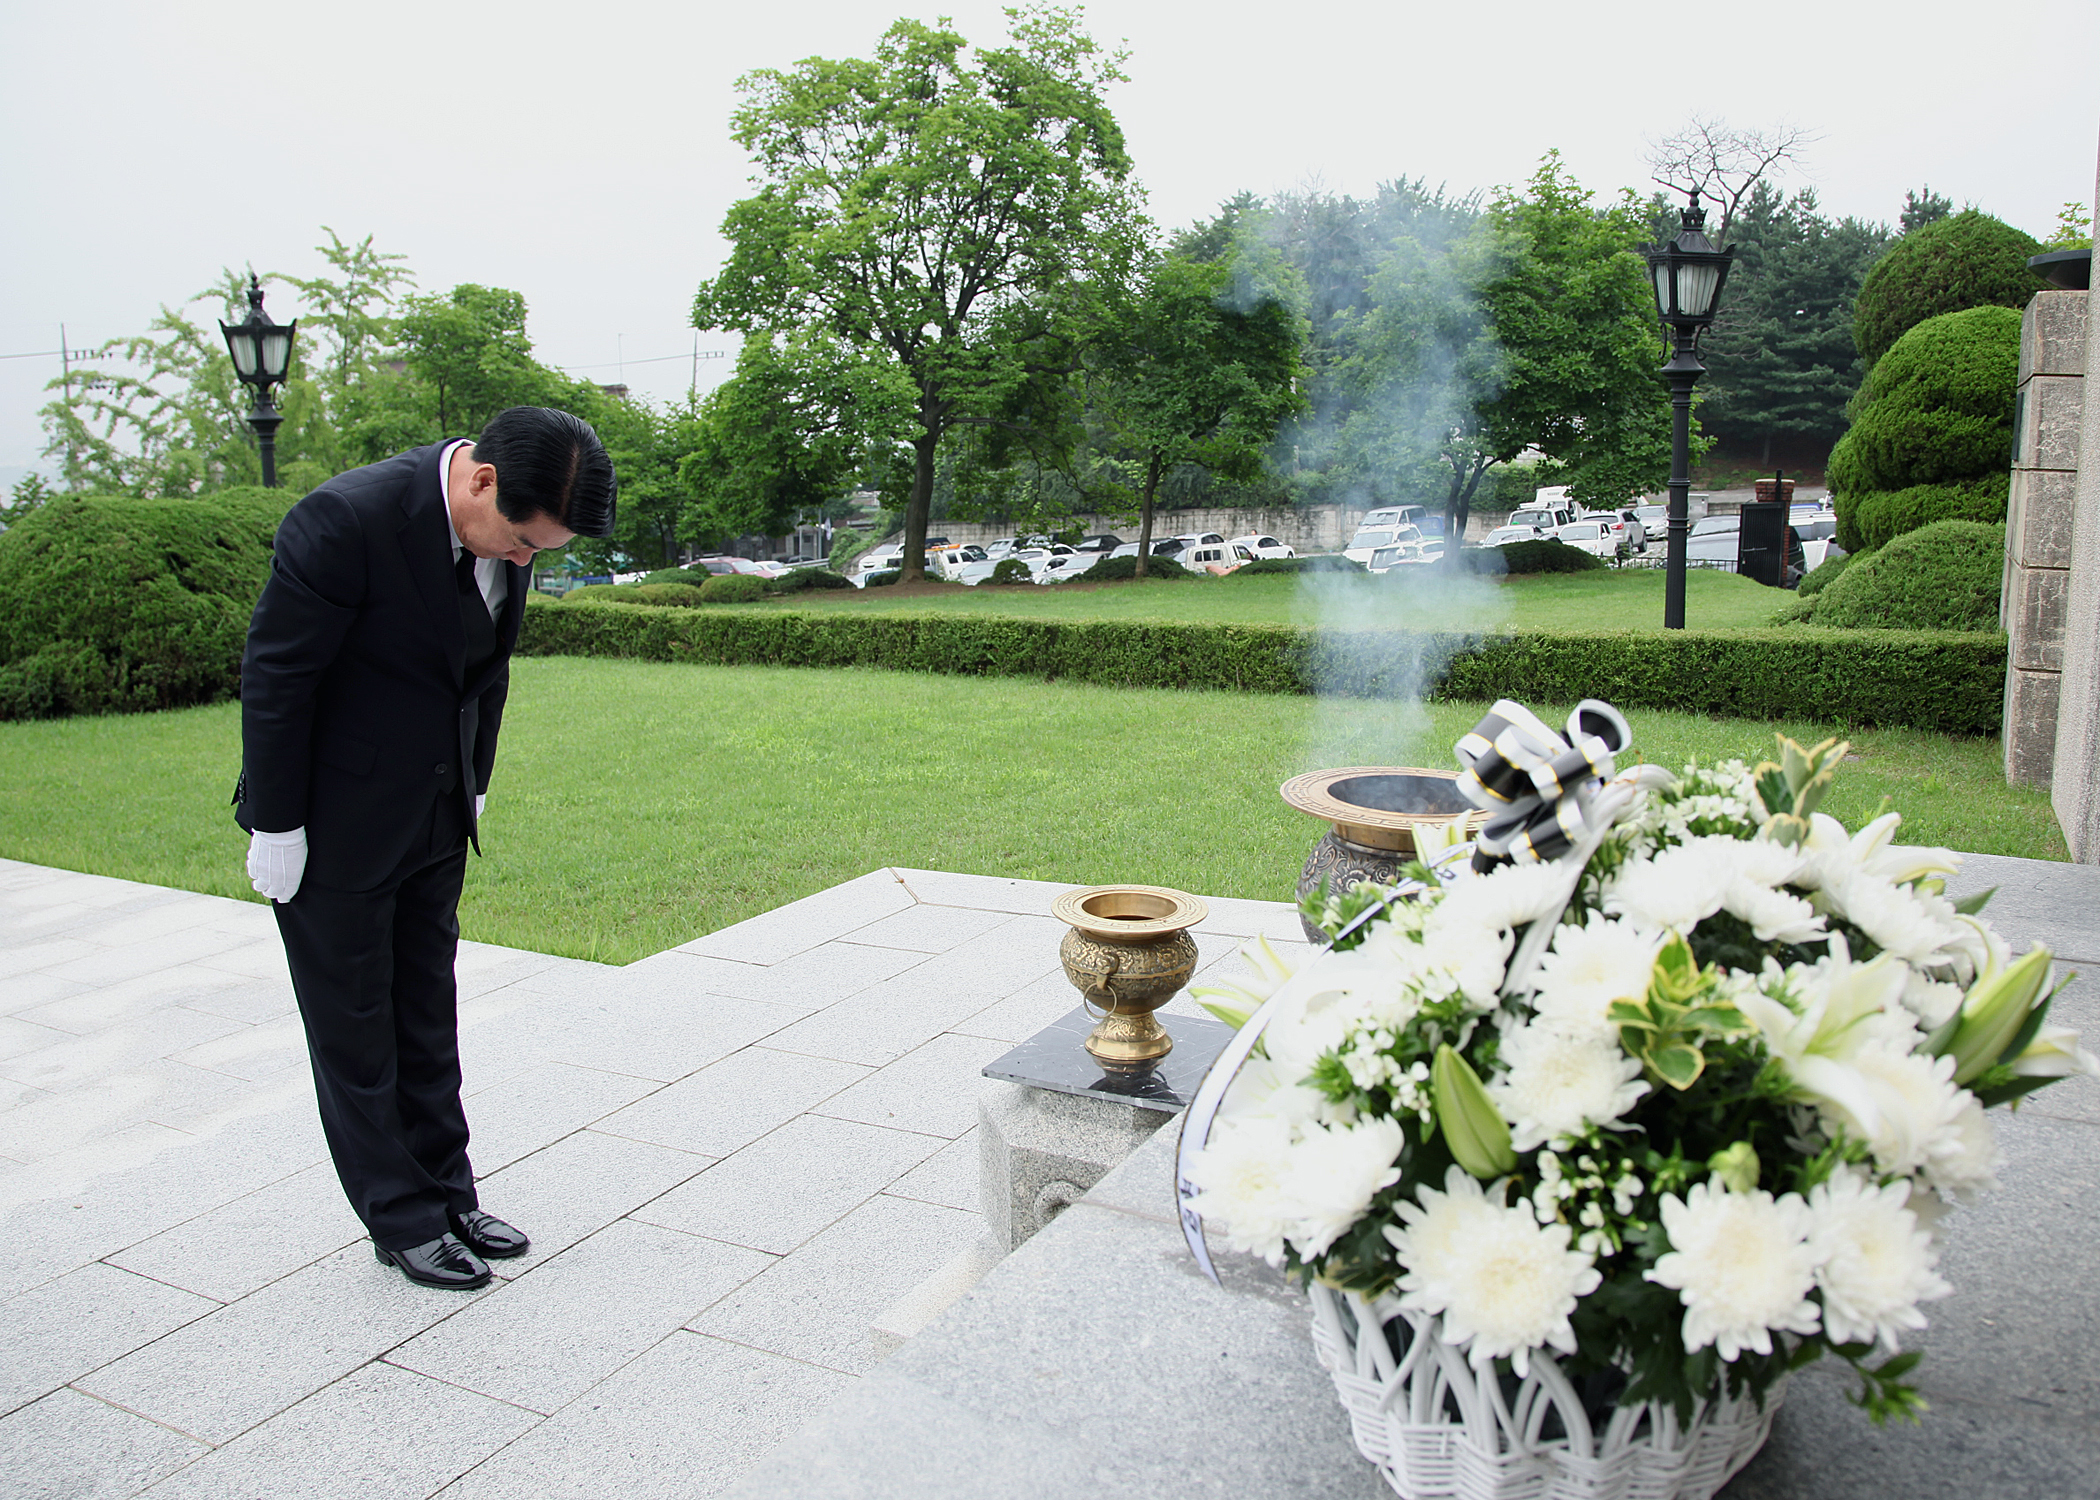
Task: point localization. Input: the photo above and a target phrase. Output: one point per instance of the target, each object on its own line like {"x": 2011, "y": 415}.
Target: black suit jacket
{"x": 355, "y": 707}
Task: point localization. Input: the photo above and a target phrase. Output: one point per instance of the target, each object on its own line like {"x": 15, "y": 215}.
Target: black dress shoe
{"x": 443, "y": 1262}
{"x": 485, "y": 1234}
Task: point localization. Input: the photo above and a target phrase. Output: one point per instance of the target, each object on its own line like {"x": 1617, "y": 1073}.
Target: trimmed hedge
{"x": 1323, "y": 562}
{"x": 692, "y": 577}
{"x": 1006, "y": 570}
{"x": 1930, "y": 680}
{"x": 1124, "y": 569}
{"x": 1945, "y": 576}
{"x": 799, "y": 579}
{"x": 1967, "y": 260}
{"x": 1544, "y": 555}
{"x": 111, "y": 604}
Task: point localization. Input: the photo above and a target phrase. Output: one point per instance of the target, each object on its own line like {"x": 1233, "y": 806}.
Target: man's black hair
{"x": 549, "y": 463}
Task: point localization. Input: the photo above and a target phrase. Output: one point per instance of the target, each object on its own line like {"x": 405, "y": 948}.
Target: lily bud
{"x": 1737, "y": 1166}
{"x": 2055, "y": 1053}
{"x": 1995, "y": 1010}
{"x": 1473, "y": 1128}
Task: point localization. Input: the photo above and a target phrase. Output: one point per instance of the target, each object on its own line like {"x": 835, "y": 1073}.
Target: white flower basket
{"x": 1435, "y": 1429}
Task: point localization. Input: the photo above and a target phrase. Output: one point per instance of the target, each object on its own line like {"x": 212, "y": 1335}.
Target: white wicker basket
{"x": 1435, "y": 1429}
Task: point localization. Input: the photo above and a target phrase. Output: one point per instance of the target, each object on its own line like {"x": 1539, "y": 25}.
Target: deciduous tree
{"x": 944, "y": 213}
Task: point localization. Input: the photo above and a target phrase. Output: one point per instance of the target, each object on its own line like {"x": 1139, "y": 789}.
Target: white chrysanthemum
{"x": 1899, "y": 1103}
{"x": 1334, "y": 1173}
{"x": 1503, "y": 1283}
{"x": 1904, "y": 921}
{"x": 1962, "y": 1159}
{"x": 1591, "y": 965}
{"x": 1678, "y": 889}
{"x": 1774, "y": 916}
{"x": 1242, "y": 1176}
{"x": 1557, "y": 1081}
{"x": 1473, "y": 958}
{"x": 1504, "y": 898}
{"x": 1873, "y": 1261}
{"x": 1741, "y": 1264}
{"x": 1930, "y": 1001}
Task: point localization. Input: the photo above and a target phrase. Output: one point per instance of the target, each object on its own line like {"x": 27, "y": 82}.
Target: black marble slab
{"x": 1056, "y": 1058}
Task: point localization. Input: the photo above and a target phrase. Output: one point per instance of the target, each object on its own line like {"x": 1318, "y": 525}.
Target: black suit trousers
{"x": 373, "y": 971}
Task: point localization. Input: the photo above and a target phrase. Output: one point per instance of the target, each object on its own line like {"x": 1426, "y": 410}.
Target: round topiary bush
{"x": 1326, "y": 562}
{"x": 110, "y": 604}
{"x": 1123, "y": 569}
{"x": 883, "y": 579}
{"x": 1944, "y": 576}
{"x": 733, "y": 588}
{"x": 1937, "y": 408}
{"x": 1879, "y": 516}
{"x": 1968, "y": 260}
{"x": 1008, "y": 570}
{"x": 1823, "y": 575}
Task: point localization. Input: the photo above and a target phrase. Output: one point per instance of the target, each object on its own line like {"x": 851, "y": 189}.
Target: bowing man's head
{"x": 536, "y": 478}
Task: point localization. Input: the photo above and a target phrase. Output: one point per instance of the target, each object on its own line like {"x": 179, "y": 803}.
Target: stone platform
{"x": 733, "y": 1158}
{"x": 736, "y": 1159}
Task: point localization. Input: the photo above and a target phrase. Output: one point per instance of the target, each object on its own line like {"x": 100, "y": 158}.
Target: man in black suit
{"x": 372, "y": 692}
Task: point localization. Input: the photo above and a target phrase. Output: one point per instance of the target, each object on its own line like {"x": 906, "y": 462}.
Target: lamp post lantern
{"x": 1688, "y": 272}
{"x": 262, "y": 353}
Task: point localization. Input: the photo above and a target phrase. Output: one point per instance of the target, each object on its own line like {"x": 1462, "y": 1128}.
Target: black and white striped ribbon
{"x": 1534, "y": 784}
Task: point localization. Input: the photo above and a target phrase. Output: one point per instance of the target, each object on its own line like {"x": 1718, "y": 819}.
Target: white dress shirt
{"x": 489, "y": 573}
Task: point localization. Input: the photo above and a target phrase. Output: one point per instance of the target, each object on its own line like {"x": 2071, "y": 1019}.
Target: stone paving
{"x": 732, "y": 1158}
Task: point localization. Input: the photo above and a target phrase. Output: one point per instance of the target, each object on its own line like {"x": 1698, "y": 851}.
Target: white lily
{"x": 1842, "y": 1006}
{"x": 2055, "y": 1053}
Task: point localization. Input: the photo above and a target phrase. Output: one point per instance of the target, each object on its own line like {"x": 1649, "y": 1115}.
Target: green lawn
{"x": 1614, "y": 599}
{"x": 638, "y": 805}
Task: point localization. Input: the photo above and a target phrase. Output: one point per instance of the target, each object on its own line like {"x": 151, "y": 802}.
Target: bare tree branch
{"x": 1724, "y": 164}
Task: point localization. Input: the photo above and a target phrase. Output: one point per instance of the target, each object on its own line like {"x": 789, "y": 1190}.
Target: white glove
{"x": 481, "y": 802}
{"x": 277, "y": 862}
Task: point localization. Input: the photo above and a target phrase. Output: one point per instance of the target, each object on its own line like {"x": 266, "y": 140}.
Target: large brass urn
{"x": 1373, "y": 813}
{"x": 1128, "y": 953}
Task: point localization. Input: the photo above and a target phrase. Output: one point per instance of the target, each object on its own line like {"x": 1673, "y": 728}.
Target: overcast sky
{"x": 580, "y": 153}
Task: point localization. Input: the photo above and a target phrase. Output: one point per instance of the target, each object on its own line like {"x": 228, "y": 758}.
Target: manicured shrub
{"x": 693, "y": 577}
{"x": 1967, "y": 260}
{"x": 1122, "y": 569}
{"x": 110, "y": 604}
{"x": 1927, "y": 679}
{"x": 676, "y": 594}
{"x": 1324, "y": 562}
{"x": 1879, "y": 516}
{"x": 1945, "y": 576}
{"x": 1007, "y": 570}
{"x": 1823, "y": 574}
{"x": 733, "y": 588}
{"x": 596, "y": 593}
{"x": 1544, "y": 555}
{"x": 801, "y": 579}
{"x": 885, "y": 578}
{"x": 1937, "y": 410}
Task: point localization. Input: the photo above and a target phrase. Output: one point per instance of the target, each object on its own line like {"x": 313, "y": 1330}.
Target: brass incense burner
{"x": 1372, "y": 812}
{"x": 1128, "y": 953}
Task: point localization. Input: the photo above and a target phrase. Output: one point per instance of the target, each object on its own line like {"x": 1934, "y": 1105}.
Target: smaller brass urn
{"x": 1128, "y": 953}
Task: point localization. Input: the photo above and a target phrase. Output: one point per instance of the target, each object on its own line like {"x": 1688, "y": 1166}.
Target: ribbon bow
{"x": 1534, "y": 784}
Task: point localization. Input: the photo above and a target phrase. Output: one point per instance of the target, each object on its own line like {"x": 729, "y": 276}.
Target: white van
{"x": 1371, "y": 539}
{"x": 1216, "y": 557}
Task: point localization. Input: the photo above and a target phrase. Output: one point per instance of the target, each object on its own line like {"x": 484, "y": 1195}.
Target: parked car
{"x": 720, "y": 565}
{"x": 1617, "y": 523}
{"x": 1264, "y": 546}
{"x": 1815, "y": 522}
{"x": 950, "y": 561}
{"x": 1103, "y": 542}
{"x": 1000, "y": 547}
{"x": 1593, "y": 536}
{"x": 1060, "y": 566}
{"x": 1368, "y": 540}
{"x": 1165, "y": 548}
{"x": 1545, "y": 517}
{"x": 1636, "y": 529}
{"x": 1502, "y": 536}
{"x": 1219, "y": 557}
{"x": 1421, "y": 517}
{"x": 878, "y": 559}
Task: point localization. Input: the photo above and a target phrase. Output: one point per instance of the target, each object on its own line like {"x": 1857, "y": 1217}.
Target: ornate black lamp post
{"x": 1688, "y": 272}
{"x": 262, "y": 353}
